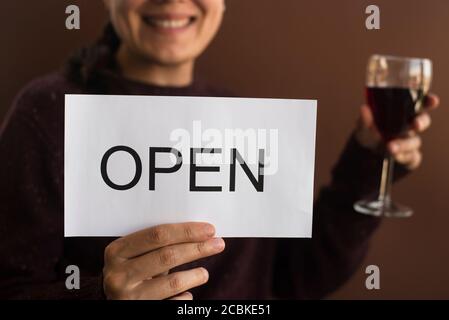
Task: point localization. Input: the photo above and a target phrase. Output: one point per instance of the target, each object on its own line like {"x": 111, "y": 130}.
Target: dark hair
{"x": 83, "y": 62}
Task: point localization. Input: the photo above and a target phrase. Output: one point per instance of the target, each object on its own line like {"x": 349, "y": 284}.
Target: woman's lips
{"x": 169, "y": 23}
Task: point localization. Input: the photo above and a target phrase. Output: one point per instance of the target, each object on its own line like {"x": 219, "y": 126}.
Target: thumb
{"x": 366, "y": 117}
{"x": 366, "y": 132}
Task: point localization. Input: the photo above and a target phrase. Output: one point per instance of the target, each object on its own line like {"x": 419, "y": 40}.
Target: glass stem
{"x": 386, "y": 180}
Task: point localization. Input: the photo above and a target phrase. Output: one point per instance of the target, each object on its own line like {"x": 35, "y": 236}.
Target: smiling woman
{"x": 149, "y": 48}
{"x": 171, "y": 36}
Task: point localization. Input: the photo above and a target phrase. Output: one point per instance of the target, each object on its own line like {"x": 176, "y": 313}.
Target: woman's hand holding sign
{"x": 136, "y": 266}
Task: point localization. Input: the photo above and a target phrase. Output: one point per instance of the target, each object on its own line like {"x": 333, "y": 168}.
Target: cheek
{"x": 125, "y": 17}
{"x": 213, "y": 14}
{"x": 124, "y": 7}
{"x": 211, "y": 8}
{"x": 130, "y": 4}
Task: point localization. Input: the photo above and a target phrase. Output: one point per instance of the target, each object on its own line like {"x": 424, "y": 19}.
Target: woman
{"x": 150, "y": 48}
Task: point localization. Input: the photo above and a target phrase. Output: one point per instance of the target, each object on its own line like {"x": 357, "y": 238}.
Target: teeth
{"x": 169, "y": 23}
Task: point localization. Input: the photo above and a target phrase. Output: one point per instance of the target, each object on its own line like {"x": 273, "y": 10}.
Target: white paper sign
{"x": 244, "y": 165}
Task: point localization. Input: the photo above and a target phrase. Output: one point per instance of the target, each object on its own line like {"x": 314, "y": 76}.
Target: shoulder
{"x": 39, "y": 105}
{"x": 46, "y": 88}
{"x": 43, "y": 96}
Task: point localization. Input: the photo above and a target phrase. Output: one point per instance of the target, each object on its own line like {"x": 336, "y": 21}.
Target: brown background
{"x": 297, "y": 49}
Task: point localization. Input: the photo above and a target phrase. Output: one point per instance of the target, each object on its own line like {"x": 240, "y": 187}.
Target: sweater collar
{"x": 112, "y": 81}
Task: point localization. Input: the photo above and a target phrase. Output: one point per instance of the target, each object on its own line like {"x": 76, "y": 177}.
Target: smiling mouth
{"x": 167, "y": 23}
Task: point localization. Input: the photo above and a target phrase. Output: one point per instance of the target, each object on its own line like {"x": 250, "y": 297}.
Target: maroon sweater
{"x": 34, "y": 252}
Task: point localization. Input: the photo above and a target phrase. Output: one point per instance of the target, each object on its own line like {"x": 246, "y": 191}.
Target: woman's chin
{"x": 169, "y": 57}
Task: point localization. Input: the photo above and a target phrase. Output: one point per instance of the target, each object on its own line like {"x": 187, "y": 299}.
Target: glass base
{"x": 379, "y": 208}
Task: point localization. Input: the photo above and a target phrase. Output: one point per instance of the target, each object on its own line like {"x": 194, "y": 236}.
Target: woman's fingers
{"x": 136, "y": 266}
{"x": 432, "y": 101}
{"x": 171, "y": 285}
{"x": 406, "y": 151}
{"x": 146, "y": 240}
{"x": 162, "y": 274}
{"x": 422, "y": 122}
{"x": 183, "y": 296}
{"x": 159, "y": 261}
{"x": 405, "y": 145}
{"x": 410, "y": 160}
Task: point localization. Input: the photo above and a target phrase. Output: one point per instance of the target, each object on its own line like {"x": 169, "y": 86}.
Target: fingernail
{"x": 394, "y": 147}
{"x": 217, "y": 243}
{"x": 209, "y": 229}
{"x": 205, "y": 274}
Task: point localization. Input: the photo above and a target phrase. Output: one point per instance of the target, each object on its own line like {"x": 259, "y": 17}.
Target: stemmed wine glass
{"x": 395, "y": 90}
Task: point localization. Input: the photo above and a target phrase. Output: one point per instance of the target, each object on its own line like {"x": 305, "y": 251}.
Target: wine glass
{"x": 395, "y": 90}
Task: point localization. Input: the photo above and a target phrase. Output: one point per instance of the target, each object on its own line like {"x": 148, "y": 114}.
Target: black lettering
{"x": 258, "y": 184}
{"x": 194, "y": 169}
{"x": 154, "y": 169}
{"x": 104, "y": 164}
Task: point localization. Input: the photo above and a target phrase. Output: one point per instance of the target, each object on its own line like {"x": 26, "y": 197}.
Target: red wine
{"x": 393, "y": 109}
